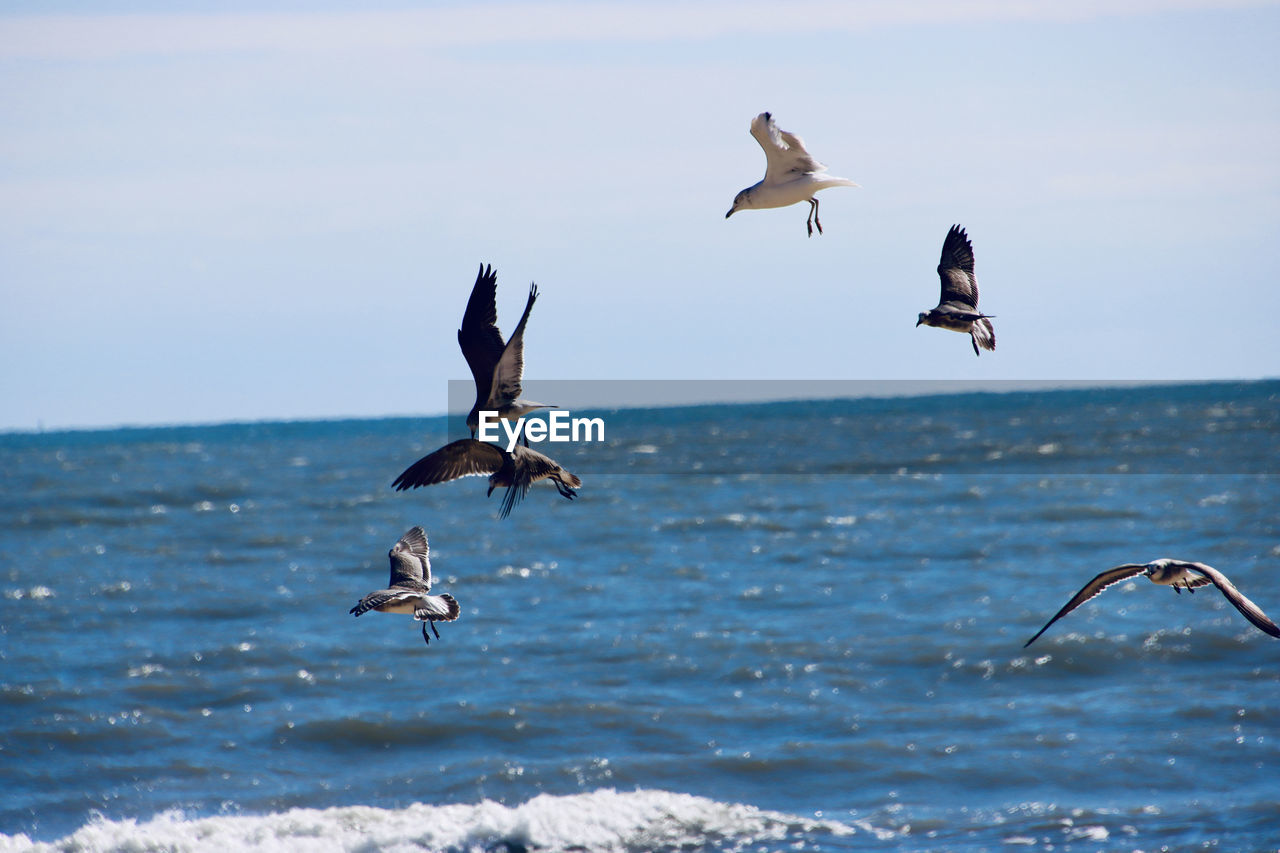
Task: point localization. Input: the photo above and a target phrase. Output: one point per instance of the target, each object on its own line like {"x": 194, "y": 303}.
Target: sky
{"x": 244, "y": 211}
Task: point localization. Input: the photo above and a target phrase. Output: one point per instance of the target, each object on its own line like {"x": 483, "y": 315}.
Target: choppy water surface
{"x": 759, "y": 627}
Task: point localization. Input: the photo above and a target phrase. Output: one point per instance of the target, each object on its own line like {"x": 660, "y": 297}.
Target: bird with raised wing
{"x": 791, "y": 175}
{"x": 1179, "y": 574}
{"x": 410, "y": 585}
{"x": 958, "y": 307}
{"x": 516, "y": 470}
{"x": 496, "y": 366}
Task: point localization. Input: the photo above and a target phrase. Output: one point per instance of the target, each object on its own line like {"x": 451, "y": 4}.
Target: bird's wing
{"x": 410, "y": 560}
{"x": 508, "y": 373}
{"x": 533, "y": 465}
{"x": 438, "y": 608}
{"x": 479, "y": 338}
{"x": 539, "y": 467}
{"x": 465, "y": 457}
{"x": 528, "y": 466}
{"x": 1092, "y": 588}
{"x": 784, "y": 153}
{"x": 955, "y": 268}
{"x": 381, "y": 597}
{"x": 1247, "y": 608}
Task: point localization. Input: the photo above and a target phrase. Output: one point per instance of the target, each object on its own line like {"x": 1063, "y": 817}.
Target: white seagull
{"x": 958, "y": 306}
{"x": 410, "y": 585}
{"x": 1178, "y": 574}
{"x": 517, "y": 470}
{"x": 791, "y": 175}
{"x": 496, "y": 367}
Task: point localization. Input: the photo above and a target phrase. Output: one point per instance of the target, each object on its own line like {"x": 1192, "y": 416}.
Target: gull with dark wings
{"x": 958, "y": 308}
{"x": 516, "y": 470}
{"x": 496, "y": 367}
{"x": 408, "y": 591}
{"x": 1178, "y": 574}
{"x": 791, "y": 175}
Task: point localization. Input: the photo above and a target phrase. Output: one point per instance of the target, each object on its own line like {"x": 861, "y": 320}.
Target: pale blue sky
{"x": 214, "y": 213}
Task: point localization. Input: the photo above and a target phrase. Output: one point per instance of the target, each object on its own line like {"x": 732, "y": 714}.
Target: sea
{"x": 774, "y": 626}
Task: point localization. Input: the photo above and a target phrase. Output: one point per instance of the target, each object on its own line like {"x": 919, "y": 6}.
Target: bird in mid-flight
{"x": 496, "y": 367}
{"x": 517, "y": 470}
{"x": 791, "y": 175}
{"x": 958, "y": 308}
{"x": 1179, "y": 574}
{"x": 408, "y": 591}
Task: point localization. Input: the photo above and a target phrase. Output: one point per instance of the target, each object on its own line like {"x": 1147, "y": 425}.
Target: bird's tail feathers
{"x": 438, "y": 608}
{"x": 451, "y": 604}
{"x": 983, "y": 335}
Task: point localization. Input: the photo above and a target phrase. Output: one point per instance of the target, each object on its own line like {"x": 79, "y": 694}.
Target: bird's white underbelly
{"x": 793, "y": 192}
{"x": 401, "y": 605}
{"x": 783, "y": 194}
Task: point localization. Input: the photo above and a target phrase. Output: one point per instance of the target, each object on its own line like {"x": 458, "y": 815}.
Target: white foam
{"x": 603, "y": 821}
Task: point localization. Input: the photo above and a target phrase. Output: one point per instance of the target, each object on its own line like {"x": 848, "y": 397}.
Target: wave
{"x": 605, "y": 820}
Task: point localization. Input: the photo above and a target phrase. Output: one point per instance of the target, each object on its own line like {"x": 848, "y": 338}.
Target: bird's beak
{"x": 730, "y": 213}
{"x": 918, "y": 322}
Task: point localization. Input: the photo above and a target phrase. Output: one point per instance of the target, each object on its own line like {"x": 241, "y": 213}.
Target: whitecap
{"x": 603, "y": 821}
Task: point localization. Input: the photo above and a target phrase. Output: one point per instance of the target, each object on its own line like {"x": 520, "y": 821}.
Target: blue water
{"x": 758, "y": 627}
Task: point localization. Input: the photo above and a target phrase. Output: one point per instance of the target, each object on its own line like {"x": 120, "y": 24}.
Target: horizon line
{"x": 917, "y": 388}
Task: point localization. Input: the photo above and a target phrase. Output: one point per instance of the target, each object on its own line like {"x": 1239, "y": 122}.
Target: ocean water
{"x": 762, "y": 627}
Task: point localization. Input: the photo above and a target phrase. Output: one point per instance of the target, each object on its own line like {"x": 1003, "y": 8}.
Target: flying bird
{"x": 958, "y": 308}
{"x": 496, "y": 367}
{"x": 409, "y": 586}
{"x": 516, "y": 470}
{"x": 791, "y": 175}
{"x": 1178, "y": 574}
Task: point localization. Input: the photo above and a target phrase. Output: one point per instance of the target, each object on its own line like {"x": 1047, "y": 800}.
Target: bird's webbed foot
{"x": 425, "y": 638}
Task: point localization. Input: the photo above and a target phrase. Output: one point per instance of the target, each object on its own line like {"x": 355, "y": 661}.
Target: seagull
{"x": 791, "y": 175}
{"x": 497, "y": 367}
{"x": 410, "y": 583}
{"x": 1178, "y": 574}
{"x": 517, "y": 470}
{"x": 958, "y": 308}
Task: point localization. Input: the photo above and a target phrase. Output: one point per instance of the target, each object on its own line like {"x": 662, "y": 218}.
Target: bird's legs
{"x": 432, "y": 623}
{"x": 813, "y": 217}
